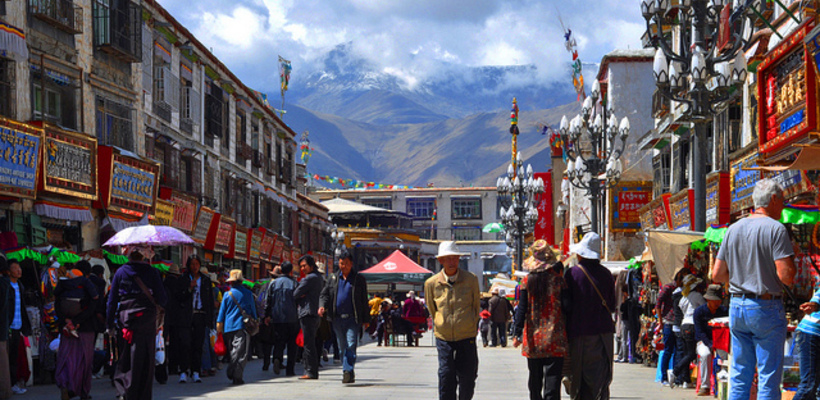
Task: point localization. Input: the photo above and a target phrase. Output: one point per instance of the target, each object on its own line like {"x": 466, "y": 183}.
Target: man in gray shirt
{"x": 756, "y": 259}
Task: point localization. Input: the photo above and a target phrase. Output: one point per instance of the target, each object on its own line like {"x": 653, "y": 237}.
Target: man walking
{"x": 499, "y": 316}
{"x": 666, "y": 313}
{"x": 344, "y": 299}
{"x": 307, "y": 300}
{"x": 756, "y": 258}
{"x": 284, "y": 318}
{"x": 20, "y": 325}
{"x": 197, "y": 312}
{"x": 453, "y": 299}
{"x": 590, "y": 295}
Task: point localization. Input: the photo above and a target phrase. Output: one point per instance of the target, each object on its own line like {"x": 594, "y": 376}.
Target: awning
{"x": 807, "y": 159}
{"x": 57, "y": 210}
{"x": 668, "y": 249}
{"x": 396, "y": 268}
{"x": 13, "y": 43}
{"x": 119, "y": 223}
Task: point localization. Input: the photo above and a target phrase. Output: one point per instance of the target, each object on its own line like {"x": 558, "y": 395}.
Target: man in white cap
{"x": 590, "y": 329}
{"x": 453, "y": 299}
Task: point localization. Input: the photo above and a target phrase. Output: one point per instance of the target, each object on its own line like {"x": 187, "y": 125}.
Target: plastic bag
{"x": 219, "y": 346}
{"x": 160, "y": 352}
{"x": 300, "y": 339}
{"x": 55, "y": 344}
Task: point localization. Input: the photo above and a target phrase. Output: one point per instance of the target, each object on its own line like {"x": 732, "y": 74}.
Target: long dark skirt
{"x": 134, "y": 376}
{"x": 75, "y": 360}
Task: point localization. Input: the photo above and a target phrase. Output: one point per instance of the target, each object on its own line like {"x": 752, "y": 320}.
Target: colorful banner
{"x": 626, "y": 200}
{"x": 184, "y": 212}
{"x": 224, "y": 235}
{"x": 355, "y": 183}
{"x": 70, "y": 163}
{"x": 545, "y": 227}
{"x": 163, "y": 213}
{"x": 203, "y": 225}
{"x": 19, "y": 158}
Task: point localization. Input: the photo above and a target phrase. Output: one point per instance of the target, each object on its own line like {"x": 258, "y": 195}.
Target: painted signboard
{"x": 268, "y": 242}
{"x": 184, "y": 212}
{"x": 743, "y": 182}
{"x": 655, "y": 215}
{"x": 163, "y": 213}
{"x": 545, "y": 227}
{"x": 19, "y": 158}
{"x": 203, "y": 225}
{"x": 241, "y": 243}
{"x": 278, "y": 248}
{"x": 718, "y": 199}
{"x": 255, "y": 252}
{"x": 680, "y": 206}
{"x": 126, "y": 182}
{"x": 625, "y": 202}
{"x": 69, "y": 163}
{"x": 224, "y": 233}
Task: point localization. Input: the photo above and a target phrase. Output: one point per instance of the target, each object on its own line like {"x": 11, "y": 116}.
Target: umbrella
{"x": 149, "y": 235}
{"x": 493, "y": 227}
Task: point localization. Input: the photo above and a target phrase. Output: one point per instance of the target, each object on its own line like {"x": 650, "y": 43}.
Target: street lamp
{"x": 519, "y": 192}
{"x": 601, "y": 168}
{"x": 697, "y": 68}
{"x": 338, "y": 244}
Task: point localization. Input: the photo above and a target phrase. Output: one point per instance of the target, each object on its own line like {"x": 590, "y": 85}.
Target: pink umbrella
{"x": 149, "y": 235}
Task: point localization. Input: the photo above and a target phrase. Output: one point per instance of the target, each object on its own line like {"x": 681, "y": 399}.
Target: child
{"x": 484, "y": 326}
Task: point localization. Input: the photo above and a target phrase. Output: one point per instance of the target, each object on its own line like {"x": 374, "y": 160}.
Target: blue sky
{"x": 408, "y": 39}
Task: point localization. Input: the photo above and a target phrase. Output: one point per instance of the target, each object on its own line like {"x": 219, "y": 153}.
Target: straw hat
{"x": 236, "y": 276}
{"x": 690, "y": 282}
{"x": 589, "y": 247}
{"x": 174, "y": 270}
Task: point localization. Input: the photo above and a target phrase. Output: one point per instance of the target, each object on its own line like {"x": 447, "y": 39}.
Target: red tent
{"x": 397, "y": 268}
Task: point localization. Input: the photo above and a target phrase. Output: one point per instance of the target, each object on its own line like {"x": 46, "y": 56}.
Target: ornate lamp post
{"x": 338, "y": 244}
{"x": 695, "y": 67}
{"x": 600, "y": 169}
{"x": 519, "y": 194}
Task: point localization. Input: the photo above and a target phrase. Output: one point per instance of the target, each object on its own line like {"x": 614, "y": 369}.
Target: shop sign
{"x": 268, "y": 242}
{"x": 278, "y": 248}
{"x": 133, "y": 183}
{"x": 794, "y": 182}
{"x": 70, "y": 161}
{"x": 286, "y": 254}
{"x": 163, "y": 213}
{"x": 224, "y": 233}
{"x": 718, "y": 200}
{"x": 184, "y": 212}
{"x": 203, "y": 225}
{"x": 655, "y": 215}
{"x": 19, "y": 158}
{"x": 743, "y": 182}
{"x": 241, "y": 243}
{"x": 680, "y": 207}
{"x": 545, "y": 226}
{"x": 626, "y": 200}
{"x": 786, "y": 89}
{"x": 256, "y": 244}
{"x": 295, "y": 254}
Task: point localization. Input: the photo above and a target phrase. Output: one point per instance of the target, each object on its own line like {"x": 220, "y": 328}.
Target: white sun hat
{"x": 589, "y": 247}
{"x": 448, "y": 248}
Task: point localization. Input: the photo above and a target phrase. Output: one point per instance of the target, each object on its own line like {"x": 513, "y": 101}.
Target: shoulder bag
{"x": 595, "y": 287}
{"x": 147, "y": 293}
{"x": 251, "y": 323}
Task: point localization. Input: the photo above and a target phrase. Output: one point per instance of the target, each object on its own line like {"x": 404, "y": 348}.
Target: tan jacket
{"x": 455, "y": 308}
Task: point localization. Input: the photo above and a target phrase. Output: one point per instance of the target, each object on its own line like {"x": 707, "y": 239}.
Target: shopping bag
{"x": 219, "y": 346}
{"x": 160, "y": 352}
{"x": 300, "y": 339}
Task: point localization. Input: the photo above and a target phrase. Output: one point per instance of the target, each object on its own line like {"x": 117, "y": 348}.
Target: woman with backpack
{"x": 237, "y": 303}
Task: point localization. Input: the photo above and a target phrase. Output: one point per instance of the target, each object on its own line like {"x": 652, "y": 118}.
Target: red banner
{"x": 545, "y": 227}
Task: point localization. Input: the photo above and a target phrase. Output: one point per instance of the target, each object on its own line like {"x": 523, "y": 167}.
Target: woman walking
{"x": 235, "y": 302}
{"x": 691, "y": 299}
{"x": 76, "y": 300}
{"x": 539, "y": 323}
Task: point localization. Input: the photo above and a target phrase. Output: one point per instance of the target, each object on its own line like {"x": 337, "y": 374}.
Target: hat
{"x": 589, "y": 247}
{"x": 502, "y": 292}
{"x": 174, "y": 270}
{"x": 236, "y": 275}
{"x": 448, "y": 248}
{"x": 495, "y": 290}
{"x": 690, "y": 282}
{"x": 411, "y": 294}
{"x": 542, "y": 256}
{"x": 713, "y": 292}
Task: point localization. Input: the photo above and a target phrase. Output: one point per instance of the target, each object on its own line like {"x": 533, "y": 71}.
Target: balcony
{"x": 162, "y": 110}
{"x": 62, "y": 14}
{"x": 270, "y": 168}
{"x": 118, "y": 29}
{"x": 186, "y": 125}
{"x": 244, "y": 151}
{"x": 660, "y": 105}
{"x": 258, "y": 159}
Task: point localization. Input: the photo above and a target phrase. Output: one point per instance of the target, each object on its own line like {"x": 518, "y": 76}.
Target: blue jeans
{"x": 808, "y": 355}
{"x": 669, "y": 348}
{"x": 457, "y": 369}
{"x": 758, "y": 329}
{"x": 347, "y": 336}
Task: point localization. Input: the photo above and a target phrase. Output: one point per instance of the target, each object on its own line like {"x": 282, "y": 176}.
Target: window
{"x": 7, "y": 91}
{"x": 114, "y": 123}
{"x": 660, "y": 166}
{"x": 467, "y": 233}
{"x": 427, "y": 232}
{"x": 166, "y": 84}
{"x": 422, "y": 208}
{"x": 209, "y": 181}
{"x": 118, "y": 28}
{"x": 214, "y": 115}
{"x": 189, "y": 110}
{"x": 53, "y": 98}
{"x": 387, "y": 203}
{"x": 469, "y": 208}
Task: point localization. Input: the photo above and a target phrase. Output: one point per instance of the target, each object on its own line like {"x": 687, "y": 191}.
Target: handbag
{"x": 147, "y": 293}
{"x": 251, "y": 324}
{"x": 219, "y": 346}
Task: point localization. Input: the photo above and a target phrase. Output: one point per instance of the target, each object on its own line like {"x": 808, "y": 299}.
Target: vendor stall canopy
{"x": 396, "y": 268}
{"x": 669, "y": 249}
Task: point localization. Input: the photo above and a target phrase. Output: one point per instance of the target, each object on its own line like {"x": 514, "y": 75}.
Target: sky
{"x": 410, "y": 39}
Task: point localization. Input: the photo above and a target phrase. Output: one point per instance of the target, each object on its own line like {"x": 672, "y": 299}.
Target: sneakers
{"x": 277, "y": 366}
{"x": 18, "y": 390}
{"x": 687, "y": 385}
{"x": 670, "y": 376}
{"x": 183, "y": 378}
{"x": 567, "y": 383}
{"x": 348, "y": 377}
{"x": 196, "y": 378}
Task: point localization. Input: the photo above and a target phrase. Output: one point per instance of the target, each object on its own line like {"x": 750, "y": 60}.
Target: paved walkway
{"x": 394, "y": 373}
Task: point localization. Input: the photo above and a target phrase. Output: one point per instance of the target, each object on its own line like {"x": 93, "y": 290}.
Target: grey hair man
{"x": 757, "y": 259}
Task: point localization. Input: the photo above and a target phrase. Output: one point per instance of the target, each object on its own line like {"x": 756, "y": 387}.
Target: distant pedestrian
{"x": 344, "y": 301}
{"x": 6, "y": 304}
{"x": 690, "y": 300}
{"x": 808, "y": 350}
{"x": 484, "y": 327}
{"x": 284, "y": 318}
{"x": 307, "y": 295}
{"x": 76, "y": 301}
{"x": 196, "y": 314}
{"x": 757, "y": 259}
{"x": 590, "y": 329}
{"x": 134, "y": 299}
{"x": 452, "y": 297}
{"x": 237, "y": 302}
{"x": 500, "y": 312}
{"x": 665, "y": 312}
{"x": 703, "y": 335}
{"x": 539, "y": 323}
{"x": 20, "y": 327}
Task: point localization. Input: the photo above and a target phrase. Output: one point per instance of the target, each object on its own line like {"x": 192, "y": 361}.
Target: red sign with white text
{"x": 545, "y": 227}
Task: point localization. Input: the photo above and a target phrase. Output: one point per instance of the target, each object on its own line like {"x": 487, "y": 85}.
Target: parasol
{"x": 493, "y": 227}
{"x": 149, "y": 235}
